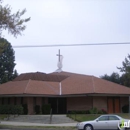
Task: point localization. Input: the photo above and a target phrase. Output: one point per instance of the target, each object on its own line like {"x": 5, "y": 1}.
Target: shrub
{"x": 19, "y": 109}
{"x": 100, "y": 112}
{"x": 93, "y": 110}
{"x": 77, "y": 112}
{"x": 11, "y": 109}
{"x": 125, "y": 109}
{"x": 37, "y": 109}
{"x": 46, "y": 108}
{"x": 87, "y": 112}
{"x": 25, "y": 109}
{"x": 104, "y": 111}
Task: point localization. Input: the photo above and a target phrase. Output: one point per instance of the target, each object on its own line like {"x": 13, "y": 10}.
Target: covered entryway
{"x": 113, "y": 105}
{"x": 58, "y": 105}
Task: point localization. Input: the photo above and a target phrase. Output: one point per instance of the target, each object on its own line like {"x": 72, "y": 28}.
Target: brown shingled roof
{"x": 40, "y": 77}
{"x": 71, "y": 84}
{"x": 29, "y": 87}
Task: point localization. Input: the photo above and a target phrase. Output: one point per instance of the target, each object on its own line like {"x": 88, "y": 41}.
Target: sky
{"x": 72, "y": 22}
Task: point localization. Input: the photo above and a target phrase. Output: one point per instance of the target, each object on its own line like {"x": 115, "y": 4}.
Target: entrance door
{"x": 62, "y": 105}
{"x": 113, "y": 105}
{"x": 110, "y": 105}
{"x": 117, "y": 105}
{"x": 58, "y": 105}
{"x": 53, "y": 102}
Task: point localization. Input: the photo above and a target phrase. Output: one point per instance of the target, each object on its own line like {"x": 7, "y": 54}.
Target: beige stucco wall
{"x": 85, "y": 103}
{"x": 79, "y": 103}
{"x": 100, "y": 102}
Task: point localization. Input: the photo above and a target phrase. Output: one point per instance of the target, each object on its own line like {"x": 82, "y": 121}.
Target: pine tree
{"x": 125, "y": 69}
{"x": 7, "y": 64}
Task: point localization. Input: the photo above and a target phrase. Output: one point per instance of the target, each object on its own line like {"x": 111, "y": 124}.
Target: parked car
{"x": 105, "y": 122}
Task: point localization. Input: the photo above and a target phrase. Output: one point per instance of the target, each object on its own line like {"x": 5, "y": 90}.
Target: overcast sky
{"x": 72, "y": 22}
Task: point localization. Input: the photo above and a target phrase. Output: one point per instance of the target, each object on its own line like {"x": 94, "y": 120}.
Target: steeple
{"x": 59, "y": 65}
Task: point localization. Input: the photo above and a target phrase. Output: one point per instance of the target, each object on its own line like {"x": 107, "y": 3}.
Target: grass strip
{"x": 88, "y": 117}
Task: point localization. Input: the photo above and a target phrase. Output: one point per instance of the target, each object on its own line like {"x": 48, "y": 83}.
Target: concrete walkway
{"x": 43, "y": 119}
{"x": 36, "y": 124}
{"x": 40, "y": 120}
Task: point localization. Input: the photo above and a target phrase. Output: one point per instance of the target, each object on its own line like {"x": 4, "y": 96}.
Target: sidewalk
{"x": 36, "y": 124}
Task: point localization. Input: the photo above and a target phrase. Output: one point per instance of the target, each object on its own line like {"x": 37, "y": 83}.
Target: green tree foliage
{"x": 124, "y": 79}
{"x": 114, "y": 77}
{"x": 7, "y": 64}
{"x": 12, "y": 21}
{"x": 125, "y": 65}
{"x": 3, "y": 45}
{"x": 125, "y": 69}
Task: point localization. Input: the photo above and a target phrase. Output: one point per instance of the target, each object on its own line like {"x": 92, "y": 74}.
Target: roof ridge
{"x": 27, "y": 86}
{"x": 45, "y": 82}
{"x": 93, "y": 84}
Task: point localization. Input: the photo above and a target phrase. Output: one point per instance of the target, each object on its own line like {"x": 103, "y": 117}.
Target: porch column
{"x": 129, "y": 104}
{"x": 30, "y": 104}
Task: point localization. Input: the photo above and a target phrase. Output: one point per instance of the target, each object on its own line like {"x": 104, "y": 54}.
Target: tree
{"x": 12, "y": 21}
{"x": 124, "y": 79}
{"x": 125, "y": 69}
{"x": 125, "y": 65}
{"x": 3, "y": 45}
{"x": 7, "y": 64}
{"x": 114, "y": 77}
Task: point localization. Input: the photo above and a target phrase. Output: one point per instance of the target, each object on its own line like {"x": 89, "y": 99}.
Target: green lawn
{"x": 3, "y": 116}
{"x": 87, "y": 117}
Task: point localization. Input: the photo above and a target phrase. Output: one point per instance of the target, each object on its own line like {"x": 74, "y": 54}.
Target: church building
{"x": 64, "y": 91}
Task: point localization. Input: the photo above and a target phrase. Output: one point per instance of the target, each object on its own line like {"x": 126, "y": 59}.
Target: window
{"x": 2, "y": 101}
{"x": 22, "y": 100}
{"x": 103, "y": 118}
{"x": 113, "y": 118}
{"x": 8, "y": 101}
{"x": 15, "y": 100}
{"x": 34, "y": 101}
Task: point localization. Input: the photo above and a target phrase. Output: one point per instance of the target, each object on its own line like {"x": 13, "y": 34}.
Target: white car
{"x": 105, "y": 122}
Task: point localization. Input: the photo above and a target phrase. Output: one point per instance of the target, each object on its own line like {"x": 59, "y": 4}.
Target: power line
{"x": 62, "y": 45}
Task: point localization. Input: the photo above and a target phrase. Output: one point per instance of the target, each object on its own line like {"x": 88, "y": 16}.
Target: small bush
{"x": 90, "y": 111}
{"x": 125, "y": 109}
{"x": 77, "y": 112}
{"x": 37, "y": 109}
{"x": 93, "y": 110}
{"x": 46, "y": 108}
{"x": 104, "y": 111}
{"x": 19, "y": 109}
{"x": 25, "y": 109}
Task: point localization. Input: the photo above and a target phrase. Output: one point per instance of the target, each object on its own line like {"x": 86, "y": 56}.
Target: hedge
{"x": 11, "y": 109}
{"x": 125, "y": 109}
